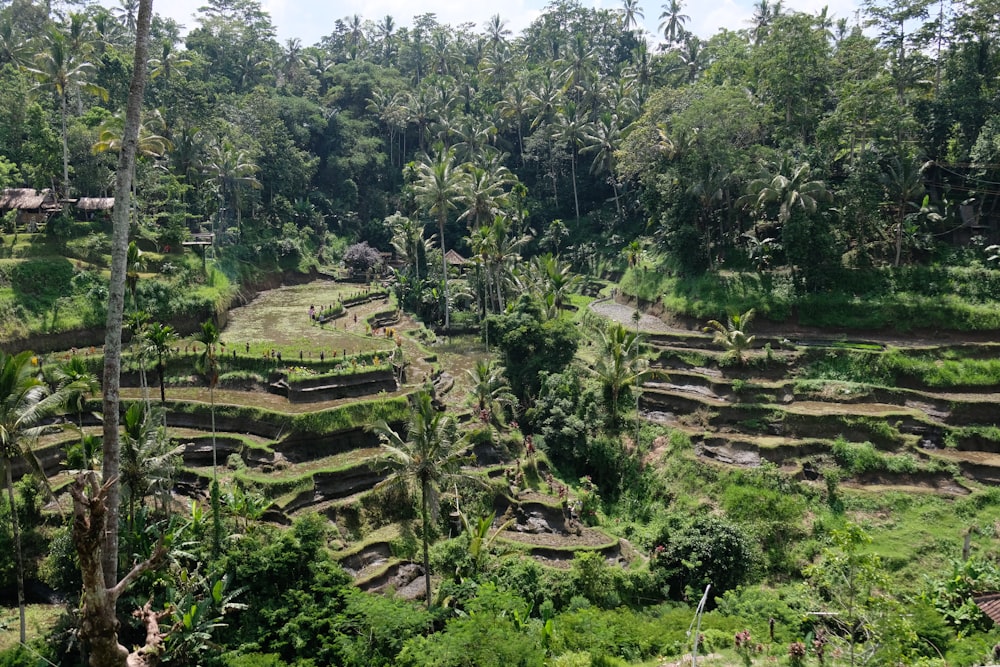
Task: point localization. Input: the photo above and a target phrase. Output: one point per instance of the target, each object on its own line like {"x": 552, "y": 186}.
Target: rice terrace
{"x": 440, "y": 345}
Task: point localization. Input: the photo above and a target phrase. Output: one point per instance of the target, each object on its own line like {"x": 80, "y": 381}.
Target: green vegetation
{"x": 562, "y": 475}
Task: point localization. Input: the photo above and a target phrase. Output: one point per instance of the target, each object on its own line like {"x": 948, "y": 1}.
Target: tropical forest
{"x": 440, "y": 345}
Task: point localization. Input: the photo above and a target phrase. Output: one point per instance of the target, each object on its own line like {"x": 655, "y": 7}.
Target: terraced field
{"x": 791, "y": 406}
{"x": 315, "y": 454}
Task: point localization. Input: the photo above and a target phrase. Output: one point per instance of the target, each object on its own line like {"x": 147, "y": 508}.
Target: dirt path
{"x": 623, "y": 312}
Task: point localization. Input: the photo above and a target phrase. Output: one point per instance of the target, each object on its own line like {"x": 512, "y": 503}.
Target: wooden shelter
{"x": 94, "y": 206}
{"x": 33, "y": 207}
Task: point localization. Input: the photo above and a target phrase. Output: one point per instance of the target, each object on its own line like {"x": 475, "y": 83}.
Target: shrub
{"x": 691, "y": 554}
{"x": 362, "y": 258}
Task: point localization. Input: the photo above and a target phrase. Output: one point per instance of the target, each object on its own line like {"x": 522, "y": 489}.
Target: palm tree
{"x": 127, "y": 12}
{"x": 514, "y": 109}
{"x": 439, "y": 187}
{"x": 14, "y": 45}
{"x": 733, "y": 336}
{"x": 497, "y": 31}
{"x": 485, "y": 194}
{"x": 904, "y": 184}
{"x": 408, "y": 240}
{"x": 148, "y": 461}
{"x": 25, "y": 400}
{"x": 423, "y": 460}
{"x": 497, "y": 248}
{"x": 763, "y": 15}
{"x": 74, "y": 382}
{"x": 619, "y": 366}
{"x": 672, "y": 21}
{"x": 603, "y": 139}
{"x": 208, "y": 365}
{"x": 60, "y": 69}
{"x": 385, "y": 29}
{"x": 166, "y": 62}
{"x": 491, "y": 393}
{"x": 631, "y": 13}
{"x": 572, "y": 129}
{"x": 557, "y": 280}
{"x": 790, "y": 192}
{"x": 233, "y": 169}
{"x": 159, "y": 340}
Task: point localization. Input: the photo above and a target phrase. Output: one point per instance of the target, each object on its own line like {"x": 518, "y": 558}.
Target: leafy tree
{"x": 362, "y": 258}
{"x": 692, "y": 553}
{"x": 422, "y": 461}
{"x": 856, "y": 586}
{"x": 531, "y": 343}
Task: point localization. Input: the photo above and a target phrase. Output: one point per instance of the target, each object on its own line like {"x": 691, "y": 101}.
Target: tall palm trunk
{"x": 576, "y": 199}
{"x": 216, "y": 509}
{"x": 444, "y": 270}
{"x": 111, "y": 384}
{"x": 65, "y": 146}
{"x": 425, "y": 519}
{"x": 16, "y": 529}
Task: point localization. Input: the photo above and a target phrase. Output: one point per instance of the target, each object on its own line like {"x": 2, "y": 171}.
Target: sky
{"x": 310, "y": 20}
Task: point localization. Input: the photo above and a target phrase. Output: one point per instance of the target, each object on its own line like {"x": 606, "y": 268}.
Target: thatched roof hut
{"x": 33, "y": 207}
{"x": 454, "y": 259}
{"x": 95, "y": 203}
{"x": 27, "y": 199}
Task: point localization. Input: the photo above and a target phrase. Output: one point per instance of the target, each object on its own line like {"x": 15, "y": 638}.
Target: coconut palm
{"x": 233, "y": 170}
{"x": 556, "y": 280}
{"x": 64, "y": 71}
{"x": 491, "y": 393}
{"x": 485, "y": 195}
{"x": 159, "y": 340}
{"x": 208, "y": 365}
{"x": 166, "y": 62}
{"x": 631, "y": 13}
{"x": 618, "y": 366}
{"x": 603, "y": 139}
{"x": 672, "y": 21}
{"x": 904, "y": 184}
{"x": 25, "y": 400}
{"x": 423, "y": 460}
{"x": 439, "y": 188}
{"x": 572, "y": 130}
{"x": 147, "y": 460}
{"x": 790, "y": 188}
{"x": 74, "y": 382}
{"x": 763, "y": 15}
{"x": 734, "y": 335}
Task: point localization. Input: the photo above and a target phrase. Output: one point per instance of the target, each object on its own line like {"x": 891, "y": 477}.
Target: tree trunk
{"x": 444, "y": 275}
{"x": 16, "y": 529}
{"x": 98, "y": 617}
{"x": 426, "y": 538}
{"x": 65, "y": 146}
{"x": 576, "y": 199}
{"x": 116, "y": 301}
